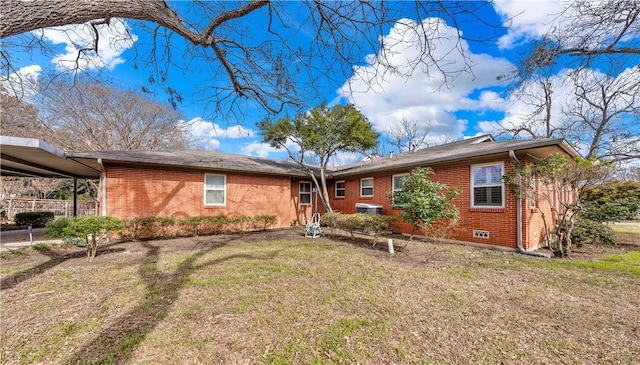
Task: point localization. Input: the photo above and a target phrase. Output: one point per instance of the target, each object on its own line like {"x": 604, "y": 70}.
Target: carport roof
{"x": 33, "y": 157}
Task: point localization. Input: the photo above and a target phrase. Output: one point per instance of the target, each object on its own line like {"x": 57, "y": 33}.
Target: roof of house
{"x": 34, "y": 157}
{"x": 468, "y": 149}
{"x": 208, "y": 160}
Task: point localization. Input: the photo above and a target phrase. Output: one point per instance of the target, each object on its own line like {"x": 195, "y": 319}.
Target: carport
{"x": 30, "y": 157}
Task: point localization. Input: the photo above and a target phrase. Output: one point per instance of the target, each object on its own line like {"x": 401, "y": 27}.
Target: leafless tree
{"x": 270, "y": 54}
{"x": 604, "y": 113}
{"x": 539, "y": 123}
{"x": 409, "y": 135}
{"x": 17, "y": 118}
{"x": 585, "y": 31}
{"x": 82, "y": 115}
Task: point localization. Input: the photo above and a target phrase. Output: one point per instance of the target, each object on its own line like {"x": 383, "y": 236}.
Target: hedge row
{"x": 169, "y": 227}
{"x": 34, "y": 219}
{"x": 372, "y": 224}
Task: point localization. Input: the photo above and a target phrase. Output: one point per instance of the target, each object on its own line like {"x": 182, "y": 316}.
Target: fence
{"x": 60, "y": 208}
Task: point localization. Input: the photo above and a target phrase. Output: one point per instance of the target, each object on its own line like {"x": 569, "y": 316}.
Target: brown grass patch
{"x": 278, "y": 298}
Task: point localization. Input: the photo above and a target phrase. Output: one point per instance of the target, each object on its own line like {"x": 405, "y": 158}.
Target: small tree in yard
{"x": 317, "y": 136}
{"x": 561, "y": 183}
{"x": 423, "y": 202}
{"x": 91, "y": 229}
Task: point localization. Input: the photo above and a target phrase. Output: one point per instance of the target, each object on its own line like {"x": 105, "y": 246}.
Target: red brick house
{"x": 191, "y": 183}
{"x": 210, "y": 183}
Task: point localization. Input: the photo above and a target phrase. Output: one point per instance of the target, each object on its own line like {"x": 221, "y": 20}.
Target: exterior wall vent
{"x": 480, "y": 234}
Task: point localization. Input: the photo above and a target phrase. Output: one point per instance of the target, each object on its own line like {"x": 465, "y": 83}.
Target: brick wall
{"x": 136, "y": 192}
{"x": 499, "y": 222}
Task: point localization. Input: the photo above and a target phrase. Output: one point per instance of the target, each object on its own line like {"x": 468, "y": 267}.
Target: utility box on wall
{"x": 368, "y": 208}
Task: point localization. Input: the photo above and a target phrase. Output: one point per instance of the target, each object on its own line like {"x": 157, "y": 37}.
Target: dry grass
{"x": 627, "y": 232}
{"x": 278, "y": 298}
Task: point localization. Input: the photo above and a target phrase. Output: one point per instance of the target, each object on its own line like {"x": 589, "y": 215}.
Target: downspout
{"x": 521, "y": 249}
{"x": 103, "y": 187}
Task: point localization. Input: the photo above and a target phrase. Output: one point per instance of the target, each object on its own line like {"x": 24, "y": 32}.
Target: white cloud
{"x": 259, "y": 149}
{"x": 114, "y": 40}
{"x": 22, "y": 84}
{"x": 526, "y": 19}
{"x": 386, "y": 97}
{"x": 206, "y": 134}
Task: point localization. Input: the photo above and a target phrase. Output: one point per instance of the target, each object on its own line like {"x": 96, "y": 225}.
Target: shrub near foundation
{"x": 91, "y": 229}
{"x": 372, "y": 224}
{"x": 147, "y": 228}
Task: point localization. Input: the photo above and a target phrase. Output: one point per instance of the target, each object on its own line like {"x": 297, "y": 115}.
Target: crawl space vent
{"x": 480, "y": 234}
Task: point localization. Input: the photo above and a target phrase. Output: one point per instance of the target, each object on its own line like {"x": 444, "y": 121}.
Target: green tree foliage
{"x": 91, "y": 229}
{"x": 613, "y": 201}
{"x": 423, "y": 202}
{"x": 561, "y": 182}
{"x": 318, "y": 135}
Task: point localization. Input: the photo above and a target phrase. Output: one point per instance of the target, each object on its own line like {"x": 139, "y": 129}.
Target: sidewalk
{"x": 13, "y": 240}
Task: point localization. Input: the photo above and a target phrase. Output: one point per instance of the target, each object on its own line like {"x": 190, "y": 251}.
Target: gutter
{"x": 521, "y": 249}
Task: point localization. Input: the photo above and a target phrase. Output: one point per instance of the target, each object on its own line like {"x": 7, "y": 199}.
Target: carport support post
{"x": 75, "y": 196}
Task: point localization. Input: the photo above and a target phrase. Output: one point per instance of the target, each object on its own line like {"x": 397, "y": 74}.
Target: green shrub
{"x": 263, "y": 221}
{"x": 240, "y": 222}
{"x": 92, "y": 229}
{"x": 373, "y": 224}
{"x": 215, "y": 224}
{"x": 34, "y": 219}
{"x": 141, "y": 227}
{"x": 193, "y": 225}
{"x": 586, "y": 231}
{"x": 331, "y": 220}
{"x": 612, "y": 201}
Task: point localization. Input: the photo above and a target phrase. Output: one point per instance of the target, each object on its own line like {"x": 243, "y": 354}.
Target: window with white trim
{"x": 305, "y": 193}
{"x": 396, "y": 183}
{"x": 366, "y": 187}
{"x": 340, "y": 189}
{"x": 487, "y": 188}
{"x": 215, "y": 189}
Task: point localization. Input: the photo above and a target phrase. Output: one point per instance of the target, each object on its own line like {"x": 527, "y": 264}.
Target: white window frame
{"x": 224, "y": 191}
{"x": 343, "y": 189}
{"x": 366, "y": 187}
{"x": 310, "y": 192}
{"x": 487, "y": 185}
{"x": 395, "y": 188}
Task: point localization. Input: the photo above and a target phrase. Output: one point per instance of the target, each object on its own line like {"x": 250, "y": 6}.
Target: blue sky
{"x": 473, "y": 103}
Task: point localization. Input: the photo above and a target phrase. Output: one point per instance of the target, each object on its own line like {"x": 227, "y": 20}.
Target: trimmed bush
{"x": 372, "y": 224}
{"x": 91, "y": 229}
{"x": 34, "y": 219}
{"x": 240, "y": 222}
{"x": 193, "y": 225}
{"x": 146, "y": 228}
{"x": 263, "y": 221}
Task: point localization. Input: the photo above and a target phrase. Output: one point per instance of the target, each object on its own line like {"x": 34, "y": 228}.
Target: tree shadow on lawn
{"x": 55, "y": 259}
{"x": 117, "y": 343}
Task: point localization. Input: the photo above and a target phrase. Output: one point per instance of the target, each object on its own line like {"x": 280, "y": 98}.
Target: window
{"x": 305, "y": 193}
{"x": 340, "y": 190}
{"x": 215, "y": 189}
{"x": 396, "y": 183}
{"x": 366, "y": 187}
{"x": 487, "y": 188}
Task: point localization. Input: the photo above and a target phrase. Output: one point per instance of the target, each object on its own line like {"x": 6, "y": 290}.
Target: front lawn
{"x": 278, "y": 298}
